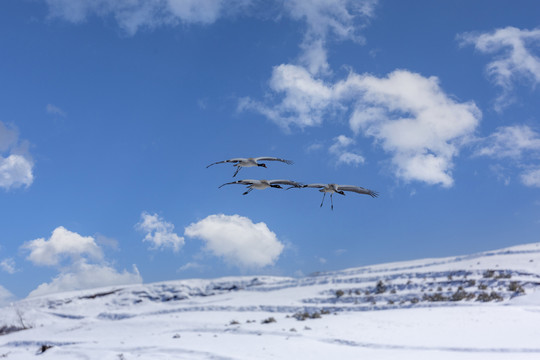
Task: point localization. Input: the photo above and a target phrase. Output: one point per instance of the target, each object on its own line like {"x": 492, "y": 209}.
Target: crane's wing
{"x": 235, "y": 160}
{"x": 285, "y": 182}
{"x": 319, "y": 186}
{"x": 270, "y": 158}
{"x": 243, "y": 182}
{"x": 358, "y": 189}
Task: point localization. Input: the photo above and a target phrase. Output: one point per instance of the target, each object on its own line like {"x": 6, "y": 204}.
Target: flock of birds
{"x": 264, "y": 184}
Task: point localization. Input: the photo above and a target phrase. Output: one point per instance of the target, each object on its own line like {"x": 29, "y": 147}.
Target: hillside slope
{"x": 480, "y": 306}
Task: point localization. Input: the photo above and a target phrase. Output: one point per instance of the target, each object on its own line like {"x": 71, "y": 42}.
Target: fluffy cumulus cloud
{"x": 159, "y": 232}
{"x": 305, "y": 100}
{"x": 62, "y": 244}
{"x": 414, "y": 120}
{"x": 16, "y": 166}
{"x": 83, "y": 275}
{"x": 340, "y": 149}
{"x": 409, "y": 115}
{"x": 131, "y": 15}
{"x": 514, "y": 56}
{"x": 84, "y": 266}
{"x": 237, "y": 240}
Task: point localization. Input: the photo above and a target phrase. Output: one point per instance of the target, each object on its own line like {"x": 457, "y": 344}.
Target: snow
{"x": 347, "y": 318}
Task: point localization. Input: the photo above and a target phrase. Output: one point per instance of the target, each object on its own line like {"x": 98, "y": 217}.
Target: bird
{"x": 340, "y": 189}
{"x": 249, "y": 162}
{"x": 263, "y": 184}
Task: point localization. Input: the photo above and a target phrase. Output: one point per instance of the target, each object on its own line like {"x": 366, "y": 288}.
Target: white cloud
{"x": 515, "y": 59}
{"x": 531, "y": 177}
{"x": 191, "y": 266}
{"x": 340, "y": 18}
{"x": 79, "y": 272}
{"x": 62, "y": 243}
{"x": 305, "y": 99}
{"x": 518, "y": 143}
{"x": 414, "y": 120}
{"x": 106, "y": 241}
{"x": 6, "y": 296}
{"x": 8, "y": 265}
{"x": 339, "y": 149}
{"x": 15, "y": 171}
{"x": 82, "y": 275}
{"x": 510, "y": 141}
{"x": 8, "y": 137}
{"x": 16, "y": 167}
{"x": 131, "y": 15}
{"x": 409, "y": 115}
{"x": 55, "y": 110}
{"x": 159, "y": 232}
{"x": 237, "y": 240}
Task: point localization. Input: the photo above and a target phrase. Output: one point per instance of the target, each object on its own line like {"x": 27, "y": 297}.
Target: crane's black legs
{"x": 332, "y": 201}
{"x": 237, "y": 170}
{"x": 247, "y": 192}
{"x": 324, "y": 194}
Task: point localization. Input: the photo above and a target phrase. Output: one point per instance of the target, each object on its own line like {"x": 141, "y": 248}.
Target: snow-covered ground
{"x": 481, "y": 306}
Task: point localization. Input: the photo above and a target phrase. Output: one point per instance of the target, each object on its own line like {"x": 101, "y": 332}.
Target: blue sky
{"x": 111, "y": 111}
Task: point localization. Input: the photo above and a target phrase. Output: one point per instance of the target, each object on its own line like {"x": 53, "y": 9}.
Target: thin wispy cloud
{"x": 520, "y": 145}
{"x": 191, "y": 266}
{"x": 338, "y": 19}
{"x": 510, "y": 142}
{"x": 133, "y": 15}
{"x": 340, "y": 149}
{"x": 516, "y": 60}
{"x": 531, "y": 177}
{"x": 16, "y": 166}
{"x": 8, "y": 265}
{"x": 55, "y": 110}
{"x": 237, "y": 240}
{"x": 159, "y": 233}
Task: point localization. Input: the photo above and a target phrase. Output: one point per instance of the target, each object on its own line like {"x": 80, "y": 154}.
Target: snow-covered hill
{"x": 481, "y": 306}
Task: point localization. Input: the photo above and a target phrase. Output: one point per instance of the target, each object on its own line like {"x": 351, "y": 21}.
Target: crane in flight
{"x": 339, "y": 189}
{"x": 263, "y": 184}
{"x": 249, "y": 162}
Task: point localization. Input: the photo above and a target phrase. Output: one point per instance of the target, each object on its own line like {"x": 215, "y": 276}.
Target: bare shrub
{"x": 269, "y": 320}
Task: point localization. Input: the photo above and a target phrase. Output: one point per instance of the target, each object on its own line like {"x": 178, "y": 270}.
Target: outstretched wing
{"x": 235, "y": 160}
{"x": 242, "y": 182}
{"x": 318, "y": 186}
{"x": 270, "y": 158}
{"x": 285, "y": 182}
{"x": 358, "y": 189}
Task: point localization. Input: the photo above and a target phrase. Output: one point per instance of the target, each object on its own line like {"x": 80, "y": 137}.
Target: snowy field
{"x": 481, "y": 306}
